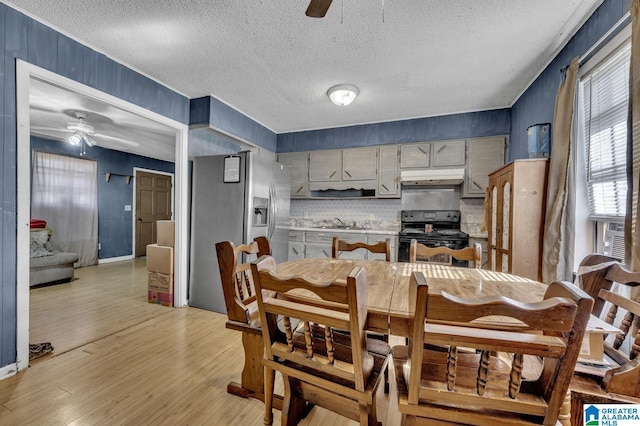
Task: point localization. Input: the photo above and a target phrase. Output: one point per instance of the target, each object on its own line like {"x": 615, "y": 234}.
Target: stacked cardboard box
{"x": 160, "y": 265}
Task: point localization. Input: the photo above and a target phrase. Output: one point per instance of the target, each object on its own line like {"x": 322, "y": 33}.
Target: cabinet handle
{"x": 348, "y": 174}
{"x": 476, "y": 184}
{"x": 384, "y": 186}
{"x": 422, "y": 150}
{"x": 442, "y": 148}
{"x": 294, "y": 250}
{"x": 332, "y": 175}
{"x": 300, "y": 189}
{"x": 325, "y": 253}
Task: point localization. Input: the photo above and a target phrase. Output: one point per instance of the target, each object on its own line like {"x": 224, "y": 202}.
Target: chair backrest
{"x": 419, "y": 251}
{"x": 620, "y": 310}
{"x": 551, "y": 329}
{"x": 236, "y": 279}
{"x": 339, "y": 305}
{"x": 382, "y": 247}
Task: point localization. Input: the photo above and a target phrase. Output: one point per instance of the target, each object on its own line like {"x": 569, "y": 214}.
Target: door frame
{"x": 135, "y": 202}
{"x": 24, "y": 73}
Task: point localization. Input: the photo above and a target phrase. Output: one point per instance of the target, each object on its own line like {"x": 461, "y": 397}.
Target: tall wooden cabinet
{"x": 517, "y": 196}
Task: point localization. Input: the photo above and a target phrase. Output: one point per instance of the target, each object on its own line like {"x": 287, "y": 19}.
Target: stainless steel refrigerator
{"x": 235, "y": 198}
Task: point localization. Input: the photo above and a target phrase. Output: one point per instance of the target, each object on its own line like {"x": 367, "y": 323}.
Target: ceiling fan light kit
{"x": 343, "y": 94}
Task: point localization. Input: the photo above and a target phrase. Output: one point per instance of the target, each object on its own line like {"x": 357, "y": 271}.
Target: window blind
{"x": 605, "y": 94}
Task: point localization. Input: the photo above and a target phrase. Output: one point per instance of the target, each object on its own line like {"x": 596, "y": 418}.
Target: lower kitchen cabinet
{"x": 317, "y": 244}
{"x": 296, "y": 250}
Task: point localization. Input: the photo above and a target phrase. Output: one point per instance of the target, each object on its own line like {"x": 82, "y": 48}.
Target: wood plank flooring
{"x": 120, "y": 360}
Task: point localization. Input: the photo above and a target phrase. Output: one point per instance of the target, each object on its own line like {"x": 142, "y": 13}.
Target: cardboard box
{"x": 160, "y": 259}
{"x": 166, "y": 233}
{"x": 592, "y": 348}
{"x": 160, "y": 289}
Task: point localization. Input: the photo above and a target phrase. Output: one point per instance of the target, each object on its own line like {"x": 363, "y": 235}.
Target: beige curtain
{"x": 632, "y": 239}
{"x": 561, "y": 138}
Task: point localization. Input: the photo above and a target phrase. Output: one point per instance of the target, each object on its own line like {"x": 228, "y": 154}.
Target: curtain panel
{"x": 555, "y": 261}
{"x": 632, "y": 239}
{"x": 64, "y": 192}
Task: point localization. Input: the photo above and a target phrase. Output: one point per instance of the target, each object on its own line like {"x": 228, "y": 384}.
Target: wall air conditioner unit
{"x": 613, "y": 244}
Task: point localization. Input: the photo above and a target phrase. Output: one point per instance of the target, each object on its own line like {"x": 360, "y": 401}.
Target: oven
{"x": 433, "y": 228}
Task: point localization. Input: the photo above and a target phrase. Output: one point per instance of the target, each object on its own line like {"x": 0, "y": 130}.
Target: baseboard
{"x": 115, "y": 259}
{"x": 8, "y": 371}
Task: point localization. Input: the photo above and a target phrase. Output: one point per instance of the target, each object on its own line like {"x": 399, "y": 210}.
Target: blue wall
{"x": 114, "y": 224}
{"x": 455, "y": 126}
{"x": 537, "y": 104}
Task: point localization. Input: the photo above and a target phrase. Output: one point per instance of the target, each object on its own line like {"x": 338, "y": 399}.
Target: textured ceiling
{"x": 268, "y": 60}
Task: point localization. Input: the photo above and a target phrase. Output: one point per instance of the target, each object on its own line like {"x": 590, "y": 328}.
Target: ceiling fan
{"x": 318, "y": 8}
{"x": 83, "y": 133}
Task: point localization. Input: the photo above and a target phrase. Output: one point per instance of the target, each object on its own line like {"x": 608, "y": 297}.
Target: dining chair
{"x": 419, "y": 251}
{"x": 382, "y": 247}
{"x": 242, "y": 311}
{"x": 618, "y": 306}
{"x": 237, "y": 283}
{"x": 467, "y": 377}
{"x": 319, "y": 365}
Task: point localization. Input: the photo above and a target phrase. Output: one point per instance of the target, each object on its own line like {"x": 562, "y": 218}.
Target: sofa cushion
{"x": 40, "y": 245}
{"x": 56, "y": 258}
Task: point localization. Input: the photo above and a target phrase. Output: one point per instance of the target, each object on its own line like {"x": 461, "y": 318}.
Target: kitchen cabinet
{"x": 416, "y": 155}
{"x": 517, "y": 195}
{"x": 449, "y": 153}
{"x": 485, "y": 156}
{"x": 298, "y": 163}
{"x": 360, "y": 163}
{"x": 388, "y": 178}
{"x": 325, "y": 166}
{"x": 296, "y": 245}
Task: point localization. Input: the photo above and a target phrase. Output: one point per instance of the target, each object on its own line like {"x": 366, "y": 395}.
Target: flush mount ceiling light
{"x": 343, "y": 94}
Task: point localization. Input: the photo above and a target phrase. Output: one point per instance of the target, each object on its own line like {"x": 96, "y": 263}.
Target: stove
{"x": 433, "y": 228}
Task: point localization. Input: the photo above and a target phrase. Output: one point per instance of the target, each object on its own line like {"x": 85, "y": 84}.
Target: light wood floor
{"x": 121, "y": 360}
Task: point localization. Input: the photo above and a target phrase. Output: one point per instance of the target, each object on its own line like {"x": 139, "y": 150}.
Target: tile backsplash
{"x": 386, "y": 210}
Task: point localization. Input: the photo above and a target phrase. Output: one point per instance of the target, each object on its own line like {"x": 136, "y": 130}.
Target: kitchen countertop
{"x": 382, "y": 231}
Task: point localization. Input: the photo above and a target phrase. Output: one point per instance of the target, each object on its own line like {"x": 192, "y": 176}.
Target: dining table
{"x": 389, "y": 304}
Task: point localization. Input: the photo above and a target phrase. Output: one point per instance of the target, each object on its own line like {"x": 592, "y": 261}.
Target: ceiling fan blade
{"x": 116, "y": 139}
{"x": 51, "y": 129}
{"x": 318, "y": 8}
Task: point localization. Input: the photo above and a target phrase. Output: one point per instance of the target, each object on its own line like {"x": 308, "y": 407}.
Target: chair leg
{"x": 368, "y": 416}
{"x": 293, "y": 407}
{"x": 269, "y": 378}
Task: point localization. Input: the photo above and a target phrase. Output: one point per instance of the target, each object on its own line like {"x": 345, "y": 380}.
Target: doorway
{"x": 153, "y": 202}
{"x": 26, "y": 75}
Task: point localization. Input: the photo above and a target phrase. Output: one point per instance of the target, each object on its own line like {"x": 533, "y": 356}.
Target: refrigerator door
{"x": 218, "y": 212}
{"x": 279, "y": 224}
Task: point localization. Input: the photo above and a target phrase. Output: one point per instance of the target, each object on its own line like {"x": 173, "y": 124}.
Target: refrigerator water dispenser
{"x": 260, "y": 211}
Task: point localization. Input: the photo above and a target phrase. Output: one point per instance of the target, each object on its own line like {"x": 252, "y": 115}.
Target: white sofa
{"x": 48, "y": 265}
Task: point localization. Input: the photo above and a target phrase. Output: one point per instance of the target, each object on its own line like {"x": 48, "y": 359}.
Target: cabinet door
{"x": 388, "y": 182}
{"x": 314, "y": 251}
{"x": 485, "y": 156}
{"x": 296, "y": 251}
{"x": 449, "y": 153}
{"x": 298, "y": 163}
{"x": 415, "y": 155}
{"x": 360, "y": 163}
{"x": 325, "y": 166}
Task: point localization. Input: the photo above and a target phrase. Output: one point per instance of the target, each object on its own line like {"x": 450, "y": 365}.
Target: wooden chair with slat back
{"x": 619, "y": 307}
{"x": 483, "y": 387}
{"x": 381, "y": 247}
{"x": 419, "y": 251}
{"x": 333, "y": 370}
{"x": 242, "y": 309}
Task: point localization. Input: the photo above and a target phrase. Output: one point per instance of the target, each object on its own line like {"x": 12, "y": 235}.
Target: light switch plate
{"x": 127, "y": 207}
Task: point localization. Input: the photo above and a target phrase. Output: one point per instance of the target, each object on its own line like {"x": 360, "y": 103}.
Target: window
{"x": 605, "y": 95}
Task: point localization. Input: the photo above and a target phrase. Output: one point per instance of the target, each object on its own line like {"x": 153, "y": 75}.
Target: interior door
{"x": 153, "y": 203}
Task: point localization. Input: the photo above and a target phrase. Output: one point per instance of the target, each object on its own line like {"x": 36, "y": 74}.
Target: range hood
{"x": 432, "y": 177}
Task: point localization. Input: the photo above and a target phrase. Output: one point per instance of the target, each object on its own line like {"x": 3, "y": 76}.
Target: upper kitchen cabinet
{"x": 449, "y": 153}
{"x": 360, "y": 163}
{"x": 485, "y": 156}
{"x": 325, "y": 166}
{"x": 298, "y": 163}
{"x": 415, "y": 155}
{"x": 388, "y": 179}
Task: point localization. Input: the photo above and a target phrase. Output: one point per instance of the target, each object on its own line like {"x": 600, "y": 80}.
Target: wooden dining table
{"x": 389, "y": 310}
